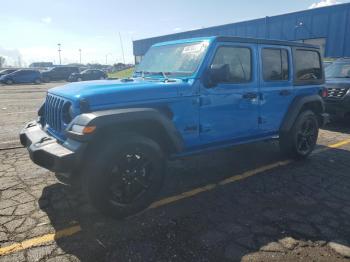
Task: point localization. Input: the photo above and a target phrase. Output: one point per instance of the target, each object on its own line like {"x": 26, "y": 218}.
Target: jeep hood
{"x": 338, "y": 82}
{"x": 110, "y": 92}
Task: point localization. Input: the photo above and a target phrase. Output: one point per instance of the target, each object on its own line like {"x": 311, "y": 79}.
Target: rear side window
{"x": 275, "y": 64}
{"x": 308, "y": 67}
{"x": 239, "y": 61}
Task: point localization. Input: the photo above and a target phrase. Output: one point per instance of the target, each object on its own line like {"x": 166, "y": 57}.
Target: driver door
{"x": 229, "y": 110}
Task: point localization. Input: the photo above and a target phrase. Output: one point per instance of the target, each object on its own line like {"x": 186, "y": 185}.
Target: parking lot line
{"x": 39, "y": 240}
{"x": 13, "y": 113}
{"x": 165, "y": 201}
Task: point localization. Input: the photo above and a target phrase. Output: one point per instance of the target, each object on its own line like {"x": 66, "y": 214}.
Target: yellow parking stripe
{"x": 341, "y": 143}
{"x": 39, "y": 240}
{"x": 75, "y": 229}
{"x": 196, "y": 191}
{"x": 332, "y": 146}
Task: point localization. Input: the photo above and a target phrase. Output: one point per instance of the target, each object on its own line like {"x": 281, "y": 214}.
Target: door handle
{"x": 250, "y": 96}
{"x": 285, "y": 92}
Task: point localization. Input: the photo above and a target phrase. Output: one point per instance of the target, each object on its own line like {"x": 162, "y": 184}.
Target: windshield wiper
{"x": 162, "y": 73}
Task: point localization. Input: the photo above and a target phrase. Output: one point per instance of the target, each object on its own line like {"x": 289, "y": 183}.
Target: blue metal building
{"x": 328, "y": 27}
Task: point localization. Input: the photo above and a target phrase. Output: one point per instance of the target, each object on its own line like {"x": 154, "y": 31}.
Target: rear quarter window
{"x": 308, "y": 67}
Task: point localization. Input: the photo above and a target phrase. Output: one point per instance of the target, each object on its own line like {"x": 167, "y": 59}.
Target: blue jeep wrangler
{"x": 185, "y": 97}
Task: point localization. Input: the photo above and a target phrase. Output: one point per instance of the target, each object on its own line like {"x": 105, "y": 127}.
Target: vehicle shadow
{"x": 307, "y": 200}
{"x": 342, "y": 126}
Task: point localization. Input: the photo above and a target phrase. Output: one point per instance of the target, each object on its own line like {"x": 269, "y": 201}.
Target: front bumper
{"x": 325, "y": 119}
{"x": 338, "y": 108}
{"x": 45, "y": 151}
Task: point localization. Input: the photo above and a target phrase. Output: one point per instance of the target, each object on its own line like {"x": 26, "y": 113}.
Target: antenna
{"x": 121, "y": 44}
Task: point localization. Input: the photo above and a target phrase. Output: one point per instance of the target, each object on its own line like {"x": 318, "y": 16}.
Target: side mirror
{"x": 218, "y": 74}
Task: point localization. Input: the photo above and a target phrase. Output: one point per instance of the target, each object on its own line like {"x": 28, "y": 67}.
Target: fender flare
{"x": 294, "y": 110}
{"x": 113, "y": 117}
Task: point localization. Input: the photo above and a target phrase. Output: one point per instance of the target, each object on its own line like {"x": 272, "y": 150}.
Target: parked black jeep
{"x": 338, "y": 87}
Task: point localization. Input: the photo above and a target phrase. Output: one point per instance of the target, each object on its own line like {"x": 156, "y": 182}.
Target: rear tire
{"x": 124, "y": 177}
{"x": 47, "y": 79}
{"x": 79, "y": 79}
{"x": 9, "y": 82}
{"x": 301, "y": 140}
{"x": 37, "y": 81}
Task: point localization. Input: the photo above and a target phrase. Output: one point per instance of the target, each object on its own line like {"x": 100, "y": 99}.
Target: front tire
{"x": 125, "y": 176}
{"x": 301, "y": 140}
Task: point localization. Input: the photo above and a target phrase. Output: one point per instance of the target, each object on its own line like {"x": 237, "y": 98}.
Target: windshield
{"x": 338, "y": 70}
{"x": 179, "y": 60}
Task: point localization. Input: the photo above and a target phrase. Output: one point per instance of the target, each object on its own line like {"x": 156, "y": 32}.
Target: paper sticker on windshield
{"x": 194, "y": 48}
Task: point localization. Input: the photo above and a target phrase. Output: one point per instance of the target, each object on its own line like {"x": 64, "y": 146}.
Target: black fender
{"x": 120, "y": 117}
{"x": 295, "y": 108}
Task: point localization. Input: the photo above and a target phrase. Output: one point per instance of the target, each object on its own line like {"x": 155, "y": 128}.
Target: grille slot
{"x": 337, "y": 92}
{"x": 53, "y": 112}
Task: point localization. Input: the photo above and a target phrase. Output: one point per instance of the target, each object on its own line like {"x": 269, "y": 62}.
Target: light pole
{"x": 59, "y": 51}
{"x": 107, "y": 57}
{"x": 79, "y": 55}
{"x": 121, "y": 45}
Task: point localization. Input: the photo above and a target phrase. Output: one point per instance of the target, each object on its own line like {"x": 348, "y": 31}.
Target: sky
{"x": 31, "y": 30}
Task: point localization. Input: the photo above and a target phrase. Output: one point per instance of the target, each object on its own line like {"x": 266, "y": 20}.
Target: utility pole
{"x": 107, "y": 57}
{"x": 59, "y": 51}
{"x": 121, "y": 44}
{"x": 79, "y": 55}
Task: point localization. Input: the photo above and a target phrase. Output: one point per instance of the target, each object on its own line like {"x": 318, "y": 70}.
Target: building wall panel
{"x": 331, "y": 23}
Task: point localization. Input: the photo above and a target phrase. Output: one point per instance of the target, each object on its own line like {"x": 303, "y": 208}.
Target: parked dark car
{"x": 327, "y": 64}
{"x": 7, "y": 71}
{"x": 59, "y": 73}
{"x": 22, "y": 76}
{"x": 338, "y": 87}
{"x": 88, "y": 74}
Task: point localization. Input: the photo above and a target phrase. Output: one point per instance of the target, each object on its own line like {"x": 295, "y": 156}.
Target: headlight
{"x": 77, "y": 129}
{"x": 67, "y": 113}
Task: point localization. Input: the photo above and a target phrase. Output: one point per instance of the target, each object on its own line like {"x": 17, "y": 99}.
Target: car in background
{"x": 327, "y": 63}
{"x": 338, "y": 88}
{"x": 7, "y": 71}
{"x": 88, "y": 74}
{"x": 59, "y": 73}
{"x": 21, "y": 77}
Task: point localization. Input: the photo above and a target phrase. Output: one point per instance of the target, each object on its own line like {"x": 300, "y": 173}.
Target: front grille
{"x": 53, "y": 112}
{"x": 337, "y": 92}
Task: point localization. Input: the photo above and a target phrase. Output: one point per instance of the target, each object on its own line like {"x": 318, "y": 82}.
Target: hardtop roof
{"x": 238, "y": 40}
{"x": 263, "y": 41}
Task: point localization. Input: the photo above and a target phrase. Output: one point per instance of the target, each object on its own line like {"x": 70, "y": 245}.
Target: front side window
{"x": 174, "y": 60}
{"x": 275, "y": 64}
{"x": 20, "y": 73}
{"x": 307, "y": 65}
{"x": 239, "y": 61}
